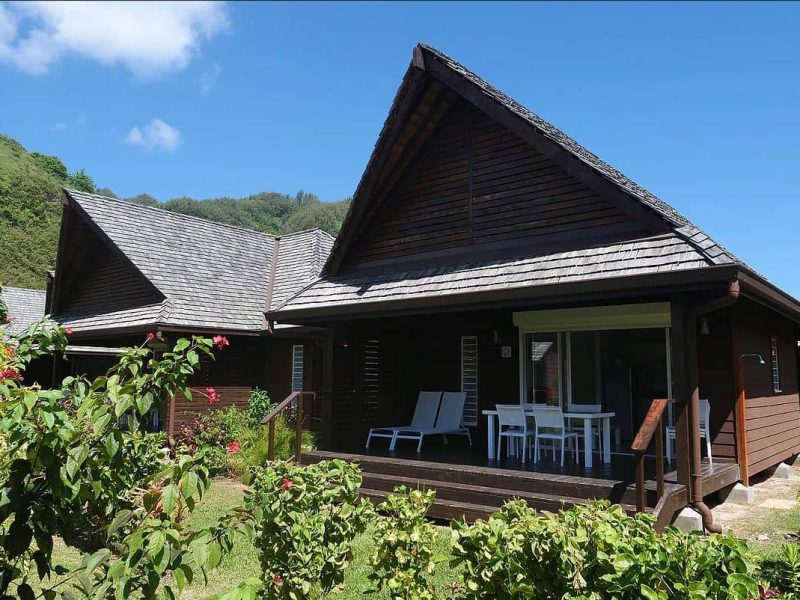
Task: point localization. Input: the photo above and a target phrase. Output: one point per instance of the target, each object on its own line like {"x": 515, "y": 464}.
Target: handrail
{"x": 269, "y": 420}
{"x": 653, "y": 422}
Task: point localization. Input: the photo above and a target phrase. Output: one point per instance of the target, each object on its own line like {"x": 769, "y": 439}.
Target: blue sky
{"x": 696, "y": 102}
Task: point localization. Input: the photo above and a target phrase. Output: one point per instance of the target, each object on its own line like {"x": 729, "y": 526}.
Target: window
{"x": 776, "y": 369}
{"x": 297, "y": 367}
{"x": 469, "y": 378}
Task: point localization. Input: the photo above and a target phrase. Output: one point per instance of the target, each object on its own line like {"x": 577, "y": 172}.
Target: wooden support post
{"x": 740, "y": 409}
{"x": 327, "y": 390}
{"x": 640, "y": 493}
{"x": 271, "y": 440}
{"x": 681, "y": 392}
{"x": 660, "y": 458}
{"x": 298, "y": 429}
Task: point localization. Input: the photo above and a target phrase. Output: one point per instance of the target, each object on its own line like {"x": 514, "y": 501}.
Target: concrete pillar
{"x": 783, "y": 471}
{"x": 689, "y": 520}
{"x": 738, "y": 494}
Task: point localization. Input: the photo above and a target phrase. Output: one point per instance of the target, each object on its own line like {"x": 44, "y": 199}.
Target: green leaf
{"x": 169, "y": 497}
{"x": 122, "y": 517}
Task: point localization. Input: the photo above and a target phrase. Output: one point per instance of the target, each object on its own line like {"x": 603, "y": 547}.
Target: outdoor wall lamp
{"x": 758, "y": 356}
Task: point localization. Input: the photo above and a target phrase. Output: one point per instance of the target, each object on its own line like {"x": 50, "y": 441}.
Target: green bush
{"x": 306, "y": 518}
{"x": 258, "y": 406}
{"x": 596, "y": 552}
{"x": 782, "y": 574}
{"x": 403, "y": 558}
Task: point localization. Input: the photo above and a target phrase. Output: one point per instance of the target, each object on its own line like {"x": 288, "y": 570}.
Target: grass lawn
{"x": 243, "y": 561}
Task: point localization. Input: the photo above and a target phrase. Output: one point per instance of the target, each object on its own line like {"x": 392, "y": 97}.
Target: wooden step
{"x": 476, "y": 494}
{"x": 546, "y": 484}
{"x": 445, "y": 510}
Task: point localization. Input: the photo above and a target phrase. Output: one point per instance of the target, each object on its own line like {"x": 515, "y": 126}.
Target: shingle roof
{"x": 685, "y": 247}
{"x": 24, "y": 307}
{"x": 212, "y": 275}
{"x": 660, "y": 254}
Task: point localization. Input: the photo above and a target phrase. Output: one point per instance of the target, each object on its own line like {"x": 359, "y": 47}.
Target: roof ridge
{"x": 309, "y": 230}
{"x": 137, "y": 206}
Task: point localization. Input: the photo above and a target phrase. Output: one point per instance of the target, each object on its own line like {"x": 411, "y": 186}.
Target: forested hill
{"x": 30, "y": 211}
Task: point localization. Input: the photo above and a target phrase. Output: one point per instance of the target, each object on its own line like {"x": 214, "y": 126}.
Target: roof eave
{"x": 689, "y": 279}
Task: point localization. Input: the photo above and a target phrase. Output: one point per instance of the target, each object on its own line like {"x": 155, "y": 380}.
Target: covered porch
{"x": 612, "y": 359}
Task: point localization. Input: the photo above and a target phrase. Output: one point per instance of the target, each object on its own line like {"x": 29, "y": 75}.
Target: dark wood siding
{"x": 96, "y": 279}
{"x": 773, "y": 418}
{"x": 717, "y": 383}
{"x": 475, "y": 184}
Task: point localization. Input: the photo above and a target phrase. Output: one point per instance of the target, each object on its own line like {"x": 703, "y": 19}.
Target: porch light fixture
{"x": 758, "y": 356}
{"x": 704, "y": 328}
{"x": 496, "y": 340}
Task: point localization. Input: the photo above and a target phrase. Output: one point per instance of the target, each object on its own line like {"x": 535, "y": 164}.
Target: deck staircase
{"x": 475, "y": 492}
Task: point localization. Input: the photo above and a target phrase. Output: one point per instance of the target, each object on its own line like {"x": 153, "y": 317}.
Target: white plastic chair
{"x": 551, "y": 419}
{"x": 424, "y": 417}
{"x": 597, "y": 430}
{"x": 448, "y": 422}
{"x": 705, "y": 419}
{"x": 513, "y": 426}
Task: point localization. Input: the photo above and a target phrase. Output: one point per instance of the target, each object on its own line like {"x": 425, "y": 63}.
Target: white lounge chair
{"x": 705, "y": 418}
{"x": 424, "y": 418}
{"x": 451, "y": 413}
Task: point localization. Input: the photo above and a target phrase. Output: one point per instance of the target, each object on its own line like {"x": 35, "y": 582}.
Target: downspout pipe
{"x": 729, "y": 299}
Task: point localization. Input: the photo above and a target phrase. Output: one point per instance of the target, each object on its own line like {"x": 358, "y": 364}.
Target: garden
{"x": 90, "y": 507}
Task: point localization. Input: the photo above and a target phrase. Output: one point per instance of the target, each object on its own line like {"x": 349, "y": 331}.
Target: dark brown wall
{"x": 379, "y": 368}
{"x": 717, "y": 383}
{"x": 94, "y": 278}
{"x": 773, "y": 418}
{"x": 475, "y": 184}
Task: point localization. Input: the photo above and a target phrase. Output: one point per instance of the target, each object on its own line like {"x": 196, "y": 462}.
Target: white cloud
{"x": 156, "y": 135}
{"x": 209, "y": 79}
{"x": 148, "y": 38}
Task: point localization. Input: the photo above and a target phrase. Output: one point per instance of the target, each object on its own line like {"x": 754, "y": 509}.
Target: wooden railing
{"x": 653, "y": 424}
{"x": 292, "y": 401}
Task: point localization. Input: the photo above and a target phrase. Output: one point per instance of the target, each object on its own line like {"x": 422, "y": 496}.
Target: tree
{"x": 104, "y": 191}
{"x": 144, "y": 200}
{"x": 51, "y": 164}
{"x": 80, "y": 181}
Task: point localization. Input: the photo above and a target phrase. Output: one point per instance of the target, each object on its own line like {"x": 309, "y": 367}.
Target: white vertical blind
{"x": 297, "y": 367}
{"x": 469, "y": 378}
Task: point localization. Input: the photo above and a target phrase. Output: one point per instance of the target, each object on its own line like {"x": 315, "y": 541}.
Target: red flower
{"x": 11, "y": 374}
{"x": 233, "y": 447}
{"x": 286, "y": 484}
{"x": 68, "y": 330}
{"x": 150, "y": 336}
{"x": 213, "y": 396}
{"x": 277, "y": 580}
{"x": 220, "y": 341}
{"x": 8, "y": 319}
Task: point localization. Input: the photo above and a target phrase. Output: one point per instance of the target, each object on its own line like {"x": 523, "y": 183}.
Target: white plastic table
{"x": 587, "y": 419}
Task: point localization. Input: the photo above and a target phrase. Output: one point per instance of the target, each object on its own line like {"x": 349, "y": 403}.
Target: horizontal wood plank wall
{"x": 717, "y": 383}
{"x": 476, "y": 183}
{"x": 186, "y": 410}
{"x": 380, "y": 368}
{"x": 105, "y": 282}
{"x": 773, "y": 418}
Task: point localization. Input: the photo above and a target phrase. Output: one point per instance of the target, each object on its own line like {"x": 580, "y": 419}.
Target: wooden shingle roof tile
{"x": 212, "y": 275}
{"x": 25, "y": 306}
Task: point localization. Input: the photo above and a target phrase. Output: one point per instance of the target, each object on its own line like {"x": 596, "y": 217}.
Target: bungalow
{"x": 123, "y": 270}
{"x": 487, "y": 252}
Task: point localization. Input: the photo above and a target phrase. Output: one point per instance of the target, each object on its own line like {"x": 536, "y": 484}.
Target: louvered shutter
{"x": 469, "y": 378}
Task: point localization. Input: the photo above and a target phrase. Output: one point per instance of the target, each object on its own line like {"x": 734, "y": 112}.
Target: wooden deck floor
{"x": 471, "y": 485}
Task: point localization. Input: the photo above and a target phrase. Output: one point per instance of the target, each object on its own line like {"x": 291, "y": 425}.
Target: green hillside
{"x": 30, "y": 211}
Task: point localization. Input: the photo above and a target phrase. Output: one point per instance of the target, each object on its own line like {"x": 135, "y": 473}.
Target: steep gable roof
{"x": 211, "y": 275}
{"x": 430, "y": 70}
{"x": 671, "y": 246}
{"x": 24, "y": 307}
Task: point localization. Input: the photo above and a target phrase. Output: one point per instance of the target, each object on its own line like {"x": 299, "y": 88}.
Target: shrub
{"x": 782, "y": 574}
{"x": 596, "y": 552}
{"x": 403, "y": 557}
{"x": 306, "y": 518}
{"x": 258, "y": 406}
